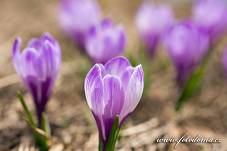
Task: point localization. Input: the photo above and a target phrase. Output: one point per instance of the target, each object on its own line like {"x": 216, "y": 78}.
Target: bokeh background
{"x": 72, "y": 124}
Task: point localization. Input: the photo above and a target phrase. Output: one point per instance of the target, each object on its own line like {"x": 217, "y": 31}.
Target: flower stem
{"x": 26, "y": 110}
{"x": 40, "y": 134}
{"x": 193, "y": 84}
{"x": 112, "y": 139}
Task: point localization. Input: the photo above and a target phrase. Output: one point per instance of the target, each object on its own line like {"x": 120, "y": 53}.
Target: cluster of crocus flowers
{"x": 210, "y": 15}
{"x": 113, "y": 90}
{"x": 77, "y": 17}
{"x": 186, "y": 45}
{"x": 105, "y": 41}
{"x": 152, "y": 21}
{"x": 38, "y": 66}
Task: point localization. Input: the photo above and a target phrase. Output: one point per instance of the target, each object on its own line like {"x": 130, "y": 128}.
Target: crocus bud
{"x": 77, "y": 17}
{"x": 38, "y": 66}
{"x": 152, "y": 21}
{"x": 225, "y": 61}
{"x": 186, "y": 45}
{"x": 111, "y": 90}
{"x": 211, "y": 16}
{"x": 105, "y": 41}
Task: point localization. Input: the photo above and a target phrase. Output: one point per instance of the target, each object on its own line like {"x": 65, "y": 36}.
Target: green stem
{"x": 41, "y": 141}
{"x": 194, "y": 82}
{"x": 45, "y": 126}
{"x": 26, "y": 110}
{"x": 41, "y": 136}
{"x": 112, "y": 139}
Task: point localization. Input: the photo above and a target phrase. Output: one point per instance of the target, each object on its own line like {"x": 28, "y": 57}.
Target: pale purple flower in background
{"x": 38, "y": 65}
{"x": 186, "y": 45}
{"x": 210, "y": 15}
{"x": 152, "y": 20}
{"x": 77, "y": 17}
{"x": 105, "y": 41}
{"x": 111, "y": 90}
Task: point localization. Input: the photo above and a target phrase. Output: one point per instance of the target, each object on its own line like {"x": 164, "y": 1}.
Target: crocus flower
{"x": 77, "y": 17}
{"x": 152, "y": 21}
{"x": 211, "y": 16}
{"x": 38, "y": 66}
{"x": 111, "y": 90}
{"x": 105, "y": 41}
{"x": 186, "y": 45}
{"x": 225, "y": 60}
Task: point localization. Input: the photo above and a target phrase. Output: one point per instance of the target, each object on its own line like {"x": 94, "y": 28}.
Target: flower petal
{"x": 117, "y": 66}
{"x": 28, "y": 61}
{"x": 92, "y": 81}
{"x": 16, "y": 54}
{"x": 113, "y": 96}
{"x": 133, "y": 92}
{"x": 97, "y": 105}
{"x": 126, "y": 77}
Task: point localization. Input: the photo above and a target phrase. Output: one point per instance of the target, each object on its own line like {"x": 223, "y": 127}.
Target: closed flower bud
{"x": 152, "y": 21}
{"x": 186, "y": 45}
{"x": 105, "y": 41}
{"x": 38, "y": 65}
{"x": 111, "y": 90}
{"x": 210, "y": 15}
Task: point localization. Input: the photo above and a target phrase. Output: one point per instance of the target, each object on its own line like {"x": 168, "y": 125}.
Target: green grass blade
{"x": 26, "y": 110}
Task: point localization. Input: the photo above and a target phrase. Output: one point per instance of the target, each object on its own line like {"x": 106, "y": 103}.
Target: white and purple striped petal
{"x": 113, "y": 90}
{"x": 133, "y": 91}
{"x": 38, "y": 66}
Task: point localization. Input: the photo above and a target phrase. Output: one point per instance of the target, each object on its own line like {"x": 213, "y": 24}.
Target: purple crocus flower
{"x": 113, "y": 89}
{"x": 152, "y": 21}
{"x": 105, "y": 41}
{"x": 38, "y": 66}
{"x": 210, "y": 15}
{"x": 77, "y": 17}
{"x": 186, "y": 45}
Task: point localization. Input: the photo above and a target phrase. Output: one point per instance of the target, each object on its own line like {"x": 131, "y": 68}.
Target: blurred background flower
{"x": 152, "y": 21}
{"x": 105, "y": 41}
{"x": 210, "y": 15}
{"x": 186, "y": 45}
{"x": 77, "y": 17}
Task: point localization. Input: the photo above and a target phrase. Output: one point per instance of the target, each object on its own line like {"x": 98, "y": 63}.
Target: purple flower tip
{"x": 152, "y": 21}
{"x": 186, "y": 45}
{"x": 105, "y": 41}
{"x": 38, "y": 66}
{"x": 77, "y": 17}
{"x": 211, "y": 16}
{"x": 113, "y": 89}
